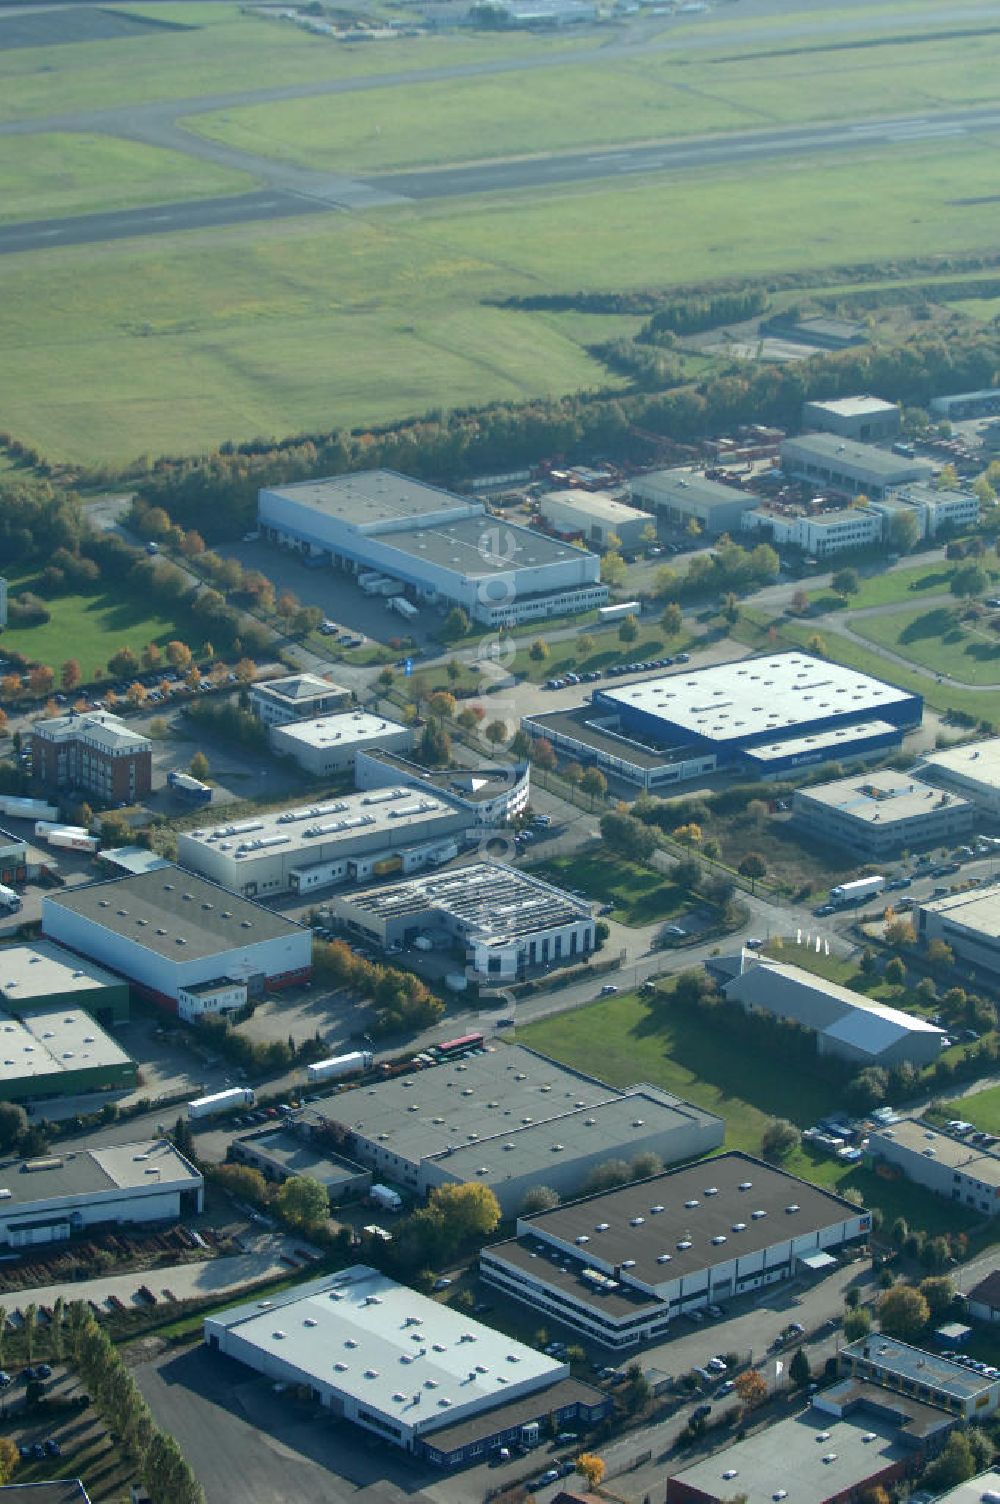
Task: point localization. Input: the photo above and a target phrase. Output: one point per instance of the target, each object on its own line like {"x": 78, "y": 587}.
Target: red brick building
{"x": 92, "y": 753}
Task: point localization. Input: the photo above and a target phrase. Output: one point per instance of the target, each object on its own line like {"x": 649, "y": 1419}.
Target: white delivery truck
{"x": 341, "y": 1065}
{"x": 10, "y": 902}
{"x": 845, "y": 894}
{"x": 221, "y": 1102}
{"x": 386, "y": 1197}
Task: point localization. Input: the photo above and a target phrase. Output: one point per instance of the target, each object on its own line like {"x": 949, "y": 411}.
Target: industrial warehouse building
{"x": 58, "y": 1051}
{"x": 441, "y": 549}
{"x": 279, "y": 1153}
{"x": 492, "y": 796}
{"x": 296, "y": 697}
{"x": 969, "y": 923}
{"x": 592, "y": 738}
{"x": 622, "y": 1266}
{"x": 49, "y": 1200}
{"x": 896, "y": 1366}
{"x": 425, "y": 1377}
{"x": 961, "y": 405}
{"x": 501, "y": 921}
{"x": 866, "y": 419}
{"x": 34, "y": 973}
{"x": 680, "y": 496}
{"x": 825, "y": 459}
{"x": 171, "y": 930}
{"x": 507, "y": 1118}
{"x": 943, "y": 1162}
{"x": 880, "y": 814}
{"x": 972, "y": 770}
{"x": 315, "y": 846}
{"x": 94, "y": 752}
{"x": 849, "y": 1442}
{"x": 725, "y": 710}
{"x": 846, "y": 1024}
{"x": 595, "y": 517}
{"x": 331, "y": 743}
{"x": 839, "y": 744}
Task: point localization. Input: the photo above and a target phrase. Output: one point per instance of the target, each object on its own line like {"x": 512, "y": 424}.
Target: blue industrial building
{"x": 770, "y": 713}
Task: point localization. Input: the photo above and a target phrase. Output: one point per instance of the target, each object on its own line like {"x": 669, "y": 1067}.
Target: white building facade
{"x": 330, "y": 744}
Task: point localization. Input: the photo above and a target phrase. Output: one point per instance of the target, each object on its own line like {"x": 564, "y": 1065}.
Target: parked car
{"x": 608, "y": 989}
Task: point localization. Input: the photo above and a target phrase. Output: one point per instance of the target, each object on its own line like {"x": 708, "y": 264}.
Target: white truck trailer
{"x": 385, "y": 1196}
{"x": 72, "y": 838}
{"x": 845, "y": 894}
{"x": 401, "y": 606}
{"x": 338, "y": 1066}
{"x": 221, "y": 1102}
{"x": 619, "y": 612}
{"x": 15, "y": 808}
{"x": 10, "y": 901}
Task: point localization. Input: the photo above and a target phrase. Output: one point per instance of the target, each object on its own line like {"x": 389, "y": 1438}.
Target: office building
{"x": 51, "y": 1199}
{"x": 399, "y": 1365}
{"x": 296, "y": 697}
{"x": 309, "y": 848}
{"x": 593, "y": 738}
{"x": 330, "y": 744}
{"x": 826, "y": 460}
{"x": 682, "y": 496}
{"x": 846, "y": 1024}
{"x": 926, "y": 1376}
{"x": 971, "y": 770}
{"x": 877, "y": 815}
{"x": 941, "y": 1161}
{"x": 821, "y": 533}
{"x": 847, "y": 1443}
{"x": 967, "y": 922}
{"x": 499, "y": 922}
{"x": 491, "y": 794}
{"x": 92, "y": 752}
{"x": 437, "y": 548}
{"x": 620, "y": 1267}
{"x": 169, "y": 930}
{"x": 507, "y": 1118}
{"x": 596, "y": 518}
{"x": 866, "y": 419}
{"x": 34, "y": 973}
{"x": 935, "y": 511}
{"x": 732, "y": 707}
{"x": 49, "y": 1050}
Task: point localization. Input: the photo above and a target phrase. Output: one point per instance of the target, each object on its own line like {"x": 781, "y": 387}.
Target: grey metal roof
{"x": 173, "y": 913}
{"x": 36, "y": 969}
{"x": 474, "y": 547}
{"x": 880, "y": 798}
{"x": 370, "y": 496}
{"x": 830, "y": 448}
{"x": 43, "y": 1041}
{"x": 677, "y": 1216}
{"x": 77, "y": 1173}
{"x": 918, "y": 1365}
{"x": 493, "y": 902}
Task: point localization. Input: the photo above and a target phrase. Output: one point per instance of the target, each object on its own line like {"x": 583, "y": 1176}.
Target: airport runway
{"x": 326, "y": 194}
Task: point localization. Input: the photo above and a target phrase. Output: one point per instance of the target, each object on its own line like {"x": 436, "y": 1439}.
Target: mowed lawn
{"x": 625, "y": 1040}
{"x": 658, "y": 95}
{"x": 981, "y": 1108}
{"x": 177, "y": 344}
{"x": 47, "y": 176}
{"x": 91, "y": 628}
{"x": 641, "y": 896}
{"x": 935, "y": 639}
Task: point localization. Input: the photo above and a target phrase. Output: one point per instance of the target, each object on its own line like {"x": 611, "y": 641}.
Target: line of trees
{"x": 401, "y": 1000}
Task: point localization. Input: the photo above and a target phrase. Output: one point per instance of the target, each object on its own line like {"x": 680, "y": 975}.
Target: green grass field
{"x": 980, "y": 1107}
{"x": 934, "y": 639}
{"x": 92, "y": 627}
{"x": 49, "y": 176}
{"x": 597, "y": 103}
{"x": 625, "y": 1039}
{"x": 641, "y": 896}
{"x": 176, "y": 344}
{"x": 901, "y": 586}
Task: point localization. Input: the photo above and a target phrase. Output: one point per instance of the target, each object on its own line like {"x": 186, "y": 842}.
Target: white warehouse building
{"x": 597, "y": 517}
{"x": 438, "y": 548}
{"x": 330, "y": 743}
{"x": 50, "y": 1199}
{"x": 316, "y": 846}
{"x": 169, "y": 930}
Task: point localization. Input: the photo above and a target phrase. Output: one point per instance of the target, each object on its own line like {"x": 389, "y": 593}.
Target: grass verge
{"x": 640, "y": 895}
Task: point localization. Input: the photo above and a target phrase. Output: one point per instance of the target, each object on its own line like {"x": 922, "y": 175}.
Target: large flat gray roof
{"x": 973, "y": 762}
{"x": 954, "y": 1153}
{"x": 977, "y": 911}
{"x": 810, "y": 1458}
{"x": 159, "y": 909}
{"x": 41, "y": 1042}
{"x": 919, "y": 1365}
{"x": 75, "y": 1173}
{"x": 39, "y": 968}
{"x": 733, "y": 701}
{"x": 733, "y": 1197}
{"x": 830, "y": 447}
{"x": 880, "y": 798}
{"x": 480, "y": 546}
{"x": 691, "y": 485}
{"x": 370, "y": 496}
{"x": 363, "y": 1334}
{"x": 493, "y": 902}
{"x": 584, "y": 726}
